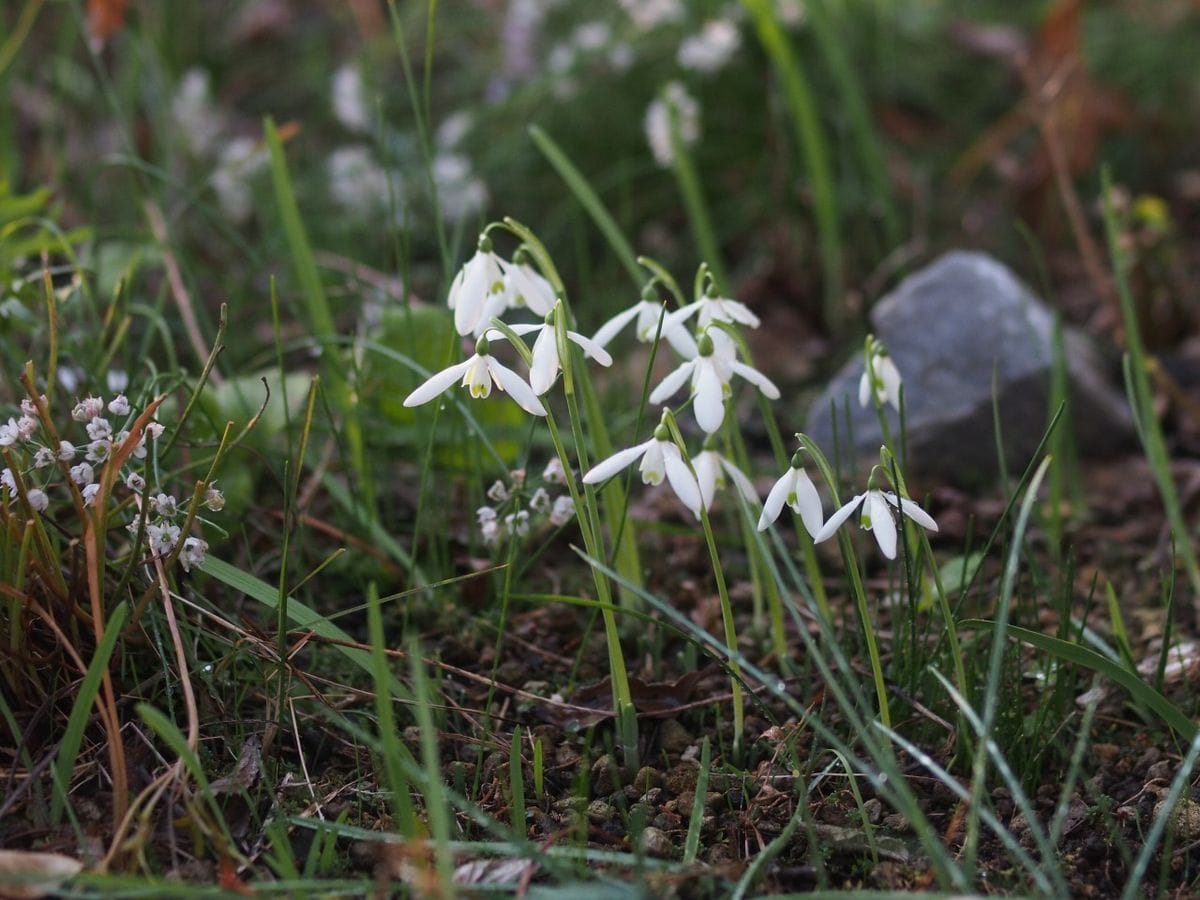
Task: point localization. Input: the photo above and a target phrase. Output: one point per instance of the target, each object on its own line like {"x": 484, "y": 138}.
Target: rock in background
{"x": 958, "y": 329}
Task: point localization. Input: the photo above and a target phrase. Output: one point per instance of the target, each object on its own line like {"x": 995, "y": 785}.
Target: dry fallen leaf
{"x": 28, "y": 875}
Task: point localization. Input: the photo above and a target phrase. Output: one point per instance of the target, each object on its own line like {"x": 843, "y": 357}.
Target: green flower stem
{"x": 735, "y": 669}
{"x": 860, "y": 595}
{"x": 693, "y": 201}
{"x": 586, "y": 506}
{"x": 626, "y": 559}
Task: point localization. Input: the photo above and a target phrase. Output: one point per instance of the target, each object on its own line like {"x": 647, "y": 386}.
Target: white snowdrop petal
{"x": 516, "y": 387}
{"x": 591, "y": 348}
{"x": 883, "y": 526}
{"x": 681, "y": 342}
{"x": 808, "y": 503}
{"x": 607, "y": 468}
{"x": 776, "y": 497}
{"x": 756, "y": 378}
{"x": 544, "y": 368}
{"x": 670, "y": 385}
{"x": 864, "y": 389}
{"x": 683, "y": 483}
{"x": 914, "y": 512}
{"x": 834, "y": 522}
{"x": 609, "y": 329}
{"x": 740, "y": 481}
{"x": 705, "y": 466}
{"x": 437, "y": 383}
{"x": 710, "y": 398}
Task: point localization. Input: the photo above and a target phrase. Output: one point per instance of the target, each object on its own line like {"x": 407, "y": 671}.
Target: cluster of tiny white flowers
{"x": 39, "y": 463}
{"x": 516, "y": 511}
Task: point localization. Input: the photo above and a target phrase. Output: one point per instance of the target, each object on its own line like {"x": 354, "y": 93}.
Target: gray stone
{"x": 951, "y": 329}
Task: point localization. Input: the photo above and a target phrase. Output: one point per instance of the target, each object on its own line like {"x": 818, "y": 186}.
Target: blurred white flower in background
{"x": 454, "y": 128}
{"x": 711, "y": 49}
{"x": 647, "y": 14}
{"x": 349, "y": 99}
{"x": 657, "y": 122}
{"x": 357, "y": 182}
{"x": 196, "y": 118}
{"x": 241, "y": 159}
{"x": 460, "y": 194}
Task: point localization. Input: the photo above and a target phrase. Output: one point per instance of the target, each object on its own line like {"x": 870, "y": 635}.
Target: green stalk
{"x": 693, "y": 201}
{"x": 739, "y": 706}
{"x": 812, "y": 141}
{"x": 856, "y": 585}
{"x": 1142, "y": 397}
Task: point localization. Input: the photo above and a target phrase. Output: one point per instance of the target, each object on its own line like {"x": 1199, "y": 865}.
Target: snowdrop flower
{"x": 886, "y": 379}
{"x": 38, "y": 499}
{"x": 877, "y": 517}
{"x": 460, "y": 194}
{"x": 660, "y": 457}
{"x": 710, "y": 371}
{"x": 194, "y": 549}
{"x": 714, "y": 308}
{"x": 711, "y": 470}
{"x": 358, "y": 183}
{"x": 795, "y": 489}
{"x": 476, "y": 289}
{"x": 478, "y": 374}
{"x": 546, "y": 365}
{"x": 711, "y": 49}
{"x": 647, "y": 312}
{"x": 674, "y": 99}
{"x": 196, "y": 119}
{"x": 525, "y": 286}
{"x": 563, "y": 511}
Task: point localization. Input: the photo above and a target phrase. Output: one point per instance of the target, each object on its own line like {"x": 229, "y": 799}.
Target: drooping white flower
{"x": 546, "y": 365}
{"x": 711, "y": 471}
{"x": 878, "y": 511}
{"x": 887, "y": 377}
{"x": 712, "y": 307}
{"x": 478, "y": 374}
{"x": 461, "y": 195}
{"x": 647, "y": 312}
{"x": 477, "y": 289}
{"x": 795, "y": 489}
{"x": 83, "y": 474}
{"x": 350, "y": 106}
{"x": 674, "y": 100}
{"x": 554, "y": 473}
{"x": 66, "y": 451}
{"x": 89, "y": 494}
{"x": 525, "y": 286}
{"x": 119, "y": 405}
{"x": 660, "y": 458}
{"x": 711, "y": 371}
{"x": 38, "y": 500}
